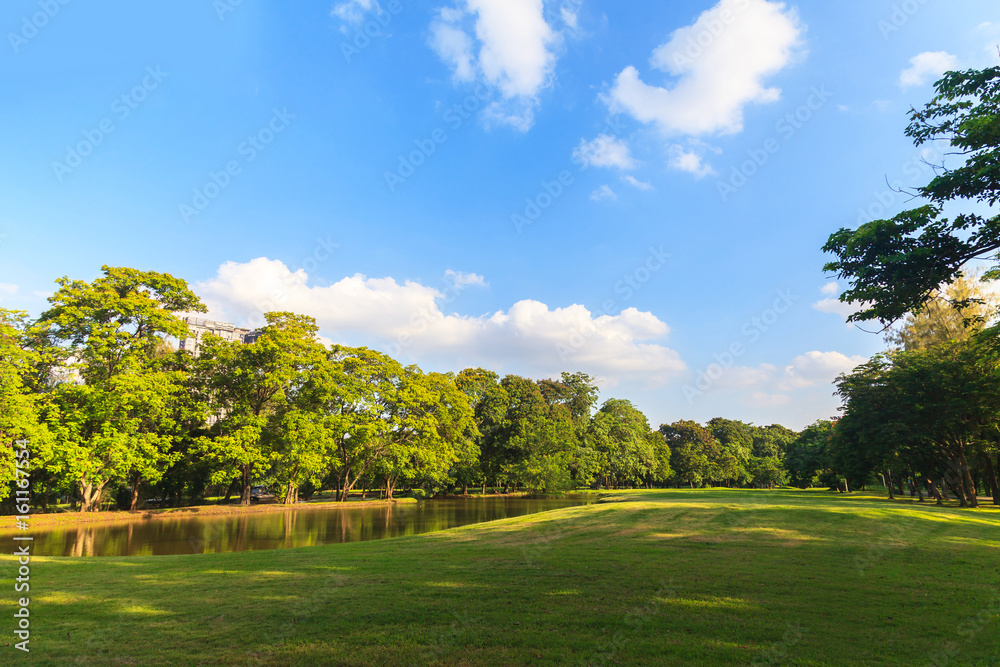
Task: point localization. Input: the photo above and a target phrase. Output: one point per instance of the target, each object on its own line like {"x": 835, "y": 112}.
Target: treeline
{"x": 114, "y": 415}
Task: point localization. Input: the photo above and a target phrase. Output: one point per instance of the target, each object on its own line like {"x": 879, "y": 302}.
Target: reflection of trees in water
{"x": 301, "y": 527}
{"x": 241, "y": 533}
{"x": 83, "y": 545}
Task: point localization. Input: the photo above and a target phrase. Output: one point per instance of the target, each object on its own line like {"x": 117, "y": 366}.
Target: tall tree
{"x": 111, "y": 414}
{"x": 18, "y": 417}
{"x": 252, "y": 388}
{"x": 688, "y": 442}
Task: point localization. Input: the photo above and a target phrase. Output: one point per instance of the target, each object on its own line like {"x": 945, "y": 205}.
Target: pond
{"x": 283, "y": 529}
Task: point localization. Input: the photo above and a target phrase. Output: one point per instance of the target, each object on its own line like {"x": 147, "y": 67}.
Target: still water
{"x": 300, "y": 527}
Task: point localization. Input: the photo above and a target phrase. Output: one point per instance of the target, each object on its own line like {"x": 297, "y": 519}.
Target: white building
{"x": 199, "y": 328}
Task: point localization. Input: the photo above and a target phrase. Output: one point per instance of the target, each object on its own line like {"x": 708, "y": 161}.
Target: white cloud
{"x": 689, "y": 160}
{"x": 837, "y": 307}
{"x": 513, "y": 52}
{"x": 8, "y": 289}
{"x": 605, "y": 151}
{"x": 636, "y": 183}
{"x": 352, "y": 13}
{"x": 720, "y": 64}
{"x": 459, "y": 279}
{"x": 604, "y": 193}
{"x": 830, "y": 289}
{"x": 762, "y": 399}
{"x": 926, "y": 67}
{"x": 529, "y": 338}
{"x": 454, "y": 47}
{"x": 817, "y": 368}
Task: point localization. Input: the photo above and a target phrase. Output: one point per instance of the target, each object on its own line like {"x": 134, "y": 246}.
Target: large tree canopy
{"x": 895, "y": 266}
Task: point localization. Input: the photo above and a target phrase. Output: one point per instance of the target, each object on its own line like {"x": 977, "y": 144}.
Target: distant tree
{"x": 252, "y": 388}
{"x": 952, "y": 314}
{"x": 688, "y": 442}
{"x": 808, "y": 456}
{"x": 628, "y": 450}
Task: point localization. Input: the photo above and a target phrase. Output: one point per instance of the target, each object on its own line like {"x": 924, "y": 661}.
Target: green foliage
{"x": 112, "y": 409}
{"x": 895, "y": 266}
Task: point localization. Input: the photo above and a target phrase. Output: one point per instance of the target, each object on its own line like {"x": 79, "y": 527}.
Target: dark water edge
{"x": 287, "y": 529}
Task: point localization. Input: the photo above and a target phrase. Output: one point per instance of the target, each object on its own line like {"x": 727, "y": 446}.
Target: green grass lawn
{"x": 664, "y": 578}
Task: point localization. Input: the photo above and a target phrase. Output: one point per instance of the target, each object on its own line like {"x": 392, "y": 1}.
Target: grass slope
{"x": 665, "y": 577}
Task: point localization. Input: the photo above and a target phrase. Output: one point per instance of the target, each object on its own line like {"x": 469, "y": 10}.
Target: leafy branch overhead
{"x": 895, "y": 266}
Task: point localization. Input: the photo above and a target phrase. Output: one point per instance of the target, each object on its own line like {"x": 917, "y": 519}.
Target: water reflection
{"x": 299, "y": 527}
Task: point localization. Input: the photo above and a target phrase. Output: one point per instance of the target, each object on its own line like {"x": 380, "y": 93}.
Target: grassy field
{"x": 663, "y": 577}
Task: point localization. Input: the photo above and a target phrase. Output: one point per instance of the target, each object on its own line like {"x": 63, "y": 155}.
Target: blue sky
{"x": 635, "y": 190}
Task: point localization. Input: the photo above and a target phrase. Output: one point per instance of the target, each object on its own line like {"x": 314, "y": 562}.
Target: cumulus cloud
{"x": 689, "y": 160}
{"x": 459, "y": 279}
{"x": 715, "y": 67}
{"x": 817, "y": 368}
{"x": 835, "y": 306}
{"x": 603, "y": 193}
{"x": 7, "y": 289}
{"x": 506, "y": 44}
{"x": 927, "y": 67}
{"x": 720, "y": 64}
{"x": 605, "y": 151}
{"x": 830, "y": 289}
{"x": 407, "y": 319}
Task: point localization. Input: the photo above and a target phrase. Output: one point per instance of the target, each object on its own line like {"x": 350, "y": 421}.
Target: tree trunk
{"x": 889, "y": 485}
{"x": 990, "y": 473}
{"x": 134, "y": 505}
{"x": 969, "y": 483}
{"x": 916, "y": 485}
{"x": 290, "y": 493}
{"x": 247, "y": 471}
{"x": 229, "y": 491}
{"x": 90, "y": 496}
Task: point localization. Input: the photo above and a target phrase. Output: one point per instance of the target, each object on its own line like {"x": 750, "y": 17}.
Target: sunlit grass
{"x": 706, "y": 577}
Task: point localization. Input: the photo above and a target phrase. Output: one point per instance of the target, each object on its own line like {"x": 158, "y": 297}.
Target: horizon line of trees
{"x": 116, "y": 416}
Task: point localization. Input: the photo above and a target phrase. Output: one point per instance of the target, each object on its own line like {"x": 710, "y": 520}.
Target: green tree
{"x": 18, "y": 416}
{"x": 808, "y": 456}
{"x": 629, "y": 453}
{"x": 688, "y": 442}
{"x": 895, "y": 266}
{"x": 252, "y": 388}
{"x": 956, "y": 312}
{"x": 112, "y": 415}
